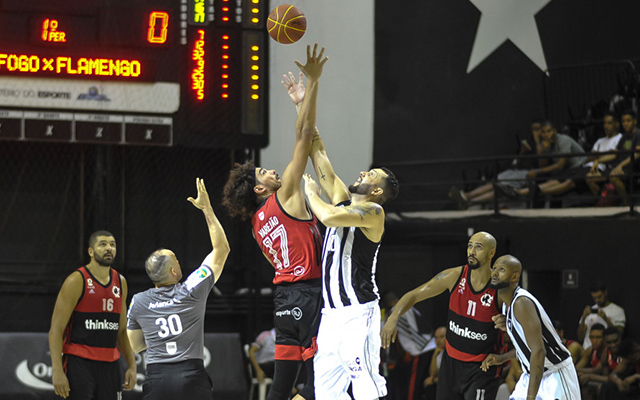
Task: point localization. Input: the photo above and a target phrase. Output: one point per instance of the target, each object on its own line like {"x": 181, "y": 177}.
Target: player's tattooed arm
{"x": 364, "y": 209}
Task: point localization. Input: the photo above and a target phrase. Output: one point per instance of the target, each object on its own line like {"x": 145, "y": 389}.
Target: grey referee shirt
{"x": 172, "y": 318}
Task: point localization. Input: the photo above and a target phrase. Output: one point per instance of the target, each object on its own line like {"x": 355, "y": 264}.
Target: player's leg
{"x": 288, "y": 348}
{"x": 330, "y": 376}
{"x": 82, "y": 377}
{"x": 360, "y": 352}
{"x": 284, "y": 378}
{"x": 480, "y": 385}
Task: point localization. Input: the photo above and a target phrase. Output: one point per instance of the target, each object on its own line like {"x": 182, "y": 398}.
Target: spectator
{"x": 556, "y": 146}
{"x": 603, "y": 311}
{"x": 514, "y": 177}
{"x": 622, "y": 172}
{"x": 574, "y": 347}
{"x": 609, "y": 360}
{"x": 576, "y": 178}
{"x": 624, "y": 381}
{"x": 591, "y": 355}
{"x": 431, "y": 383}
{"x": 262, "y": 354}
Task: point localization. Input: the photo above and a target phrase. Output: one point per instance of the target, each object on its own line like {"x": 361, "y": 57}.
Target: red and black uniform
{"x": 471, "y": 335}
{"x": 90, "y": 344}
{"x": 595, "y": 358}
{"x": 612, "y": 362}
{"x": 293, "y": 247}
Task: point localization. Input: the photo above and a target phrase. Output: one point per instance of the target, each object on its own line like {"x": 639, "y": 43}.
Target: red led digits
{"x": 158, "y": 20}
{"x": 197, "y": 75}
{"x": 50, "y": 32}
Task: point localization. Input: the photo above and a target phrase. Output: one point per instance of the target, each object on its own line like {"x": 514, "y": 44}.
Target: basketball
{"x": 286, "y": 24}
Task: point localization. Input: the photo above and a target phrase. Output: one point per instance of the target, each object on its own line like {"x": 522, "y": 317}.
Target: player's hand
{"x": 501, "y": 321}
{"x": 202, "y": 202}
{"x": 489, "y": 361}
{"x": 389, "y": 333}
{"x": 296, "y": 90}
{"x": 313, "y": 68}
{"x": 310, "y": 186}
{"x": 61, "y": 384}
{"x": 130, "y": 379}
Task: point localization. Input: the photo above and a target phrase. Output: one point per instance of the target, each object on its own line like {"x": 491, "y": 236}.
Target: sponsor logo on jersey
{"x": 268, "y": 226}
{"x": 172, "y": 347}
{"x": 116, "y": 292}
{"x": 261, "y": 216}
{"x": 160, "y": 304}
{"x": 97, "y": 325}
{"x": 466, "y": 333}
{"x": 297, "y": 313}
{"x": 461, "y": 285}
{"x": 299, "y": 270}
{"x": 486, "y": 299}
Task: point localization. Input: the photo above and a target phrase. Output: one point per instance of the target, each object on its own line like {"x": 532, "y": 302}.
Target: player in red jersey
{"x": 89, "y": 326}
{"x": 471, "y": 333}
{"x": 288, "y": 236}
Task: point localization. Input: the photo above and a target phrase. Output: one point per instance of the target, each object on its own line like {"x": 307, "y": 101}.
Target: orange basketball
{"x": 286, "y": 24}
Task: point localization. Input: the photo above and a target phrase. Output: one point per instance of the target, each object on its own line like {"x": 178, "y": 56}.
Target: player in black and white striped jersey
{"x": 548, "y": 371}
{"x": 349, "y": 334}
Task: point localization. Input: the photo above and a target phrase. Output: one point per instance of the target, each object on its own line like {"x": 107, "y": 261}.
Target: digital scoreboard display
{"x": 142, "y": 72}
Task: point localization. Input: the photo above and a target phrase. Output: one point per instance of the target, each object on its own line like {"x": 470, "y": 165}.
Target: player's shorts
{"x": 560, "y": 384}
{"x": 180, "y": 380}
{"x": 349, "y": 353}
{"x": 464, "y": 380}
{"x": 90, "y": 379}
{"x": 296, "y": 318}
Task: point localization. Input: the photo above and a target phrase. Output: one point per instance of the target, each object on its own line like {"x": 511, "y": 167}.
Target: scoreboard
{"x": 142, "y": 72}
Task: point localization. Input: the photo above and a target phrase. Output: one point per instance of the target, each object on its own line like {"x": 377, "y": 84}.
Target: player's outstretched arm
{"x": 369, "y": 216}
{"x": 305, "y": 128}
{"x": 438, "y": 284}
{"x": 218, "y": 256}
{"x": 525, "y": 312}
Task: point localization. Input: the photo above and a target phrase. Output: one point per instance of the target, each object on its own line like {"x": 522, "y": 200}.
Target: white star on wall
{"x": 504, "y": 20}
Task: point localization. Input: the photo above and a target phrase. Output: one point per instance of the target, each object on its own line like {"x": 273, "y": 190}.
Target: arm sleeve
{"x": 200, "y": 282}
{"x": 132, "y": 323}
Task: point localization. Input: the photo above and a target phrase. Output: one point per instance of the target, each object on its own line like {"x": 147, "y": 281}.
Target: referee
{"x": 168, "y": 320}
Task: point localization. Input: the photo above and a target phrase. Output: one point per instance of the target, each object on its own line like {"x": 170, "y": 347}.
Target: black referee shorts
{"x": 93, "y": 380}
{"x": 296, "y": 318}
{"x": 181, "y": 380}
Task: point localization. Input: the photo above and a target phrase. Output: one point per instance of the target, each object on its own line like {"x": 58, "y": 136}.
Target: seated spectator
{"x": 603, "y": 311}
{"x": 575, "y": 178}
{"x": 431, "y": 382}
{"x": 624, "y": 381}
{"x": 514, "y": 177}
{"x": 622, "y": 171}
{"x": 574, "y": 347}
{"x": 560, "y": 167}
{"x": 262, "y": 354}
{"x": 591, "y": 355}
{"x": 609, "y": 360}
